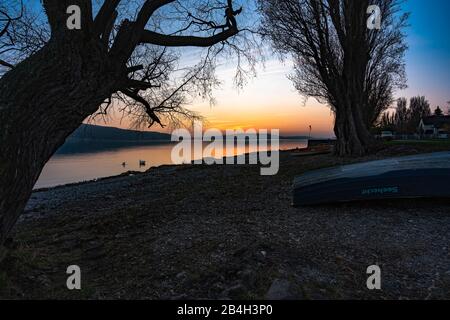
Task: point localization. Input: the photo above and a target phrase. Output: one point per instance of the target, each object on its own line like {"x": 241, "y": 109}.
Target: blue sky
{"x": 428, "y": 58}
{"x": 270, "y": 101}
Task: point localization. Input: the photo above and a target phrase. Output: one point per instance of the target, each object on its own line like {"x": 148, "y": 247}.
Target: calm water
{"x": 83, "y": 163}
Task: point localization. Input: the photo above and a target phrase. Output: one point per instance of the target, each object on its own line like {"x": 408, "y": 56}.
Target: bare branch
{"x": 147, "y": 10}
{"x": 6, "y": 64}
{"x": 104, "y": 16}
{"x": 186, "y": 41}
{"x": 144, "y": 102}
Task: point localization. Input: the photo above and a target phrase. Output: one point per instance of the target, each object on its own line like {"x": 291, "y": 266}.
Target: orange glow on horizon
{"x": 290, "y": 120}
{"x": 267, "y": 102}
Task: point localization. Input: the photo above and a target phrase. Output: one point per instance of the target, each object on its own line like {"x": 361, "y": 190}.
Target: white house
{"x": 435, "y": 126}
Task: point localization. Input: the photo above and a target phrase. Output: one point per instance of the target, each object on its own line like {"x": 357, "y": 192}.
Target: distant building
{"x": 435, "y": 127}
{"x": 387, "y": 135}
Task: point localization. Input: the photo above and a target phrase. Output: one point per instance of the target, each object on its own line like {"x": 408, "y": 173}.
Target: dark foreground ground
{"x": 226, "y": 232}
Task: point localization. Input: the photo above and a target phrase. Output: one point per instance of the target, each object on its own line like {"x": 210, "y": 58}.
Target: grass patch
{"x": 443, "y": 143}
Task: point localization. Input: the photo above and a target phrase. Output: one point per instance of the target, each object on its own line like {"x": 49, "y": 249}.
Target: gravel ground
{"x": 225, "y": 232}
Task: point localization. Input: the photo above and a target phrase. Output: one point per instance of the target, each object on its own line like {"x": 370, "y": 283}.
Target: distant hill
{"x": 92, "y": 132}
{"x": 295, "y": 137}
{"x": 90, "y": 138}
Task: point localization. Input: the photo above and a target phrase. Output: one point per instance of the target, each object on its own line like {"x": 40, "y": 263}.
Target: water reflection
{"x": 76, "y": 162}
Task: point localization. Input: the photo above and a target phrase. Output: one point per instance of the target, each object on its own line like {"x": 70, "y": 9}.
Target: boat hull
{"x": 424, "y": 176}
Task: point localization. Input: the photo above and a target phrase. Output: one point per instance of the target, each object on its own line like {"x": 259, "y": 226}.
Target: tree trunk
{"x": 42, "y": 101}
{"x": 351, "y": 129}
{"x": 353, "y": 136}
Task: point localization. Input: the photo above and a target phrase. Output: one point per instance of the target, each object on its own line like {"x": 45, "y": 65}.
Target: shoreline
{"x": 225, "y": 232}
{"x": 131, "y": 172}
{"x": 49, "y": 179}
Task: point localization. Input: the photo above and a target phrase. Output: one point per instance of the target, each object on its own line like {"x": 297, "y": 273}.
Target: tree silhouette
{"x": 419, "y": 108}
{"x": 402, "y": 116}
{"x": 438, "y": 112}
{"x": 341, "y": 62}
{"x": 57, "y": 77}
{"x": 6, "y": 21}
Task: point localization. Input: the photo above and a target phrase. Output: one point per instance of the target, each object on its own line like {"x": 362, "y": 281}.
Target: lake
{"x": 79, "y": 162}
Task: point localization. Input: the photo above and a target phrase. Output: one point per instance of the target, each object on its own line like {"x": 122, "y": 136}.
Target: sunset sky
{"x": 270, "y": 100}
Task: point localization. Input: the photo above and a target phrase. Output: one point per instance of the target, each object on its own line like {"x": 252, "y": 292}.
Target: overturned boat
{"x": 418, "y": 176}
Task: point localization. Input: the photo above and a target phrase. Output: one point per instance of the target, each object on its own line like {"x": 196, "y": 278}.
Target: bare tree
{"x": 340, "y": 61}
{"x": 402, "y": 116}
{"x": 124, "y": 51}
{"x": 438, "y": 112}
{"x": 419, "y": 108}
{"x": 6, "y": 23}
{"x": 388, "y": 121}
